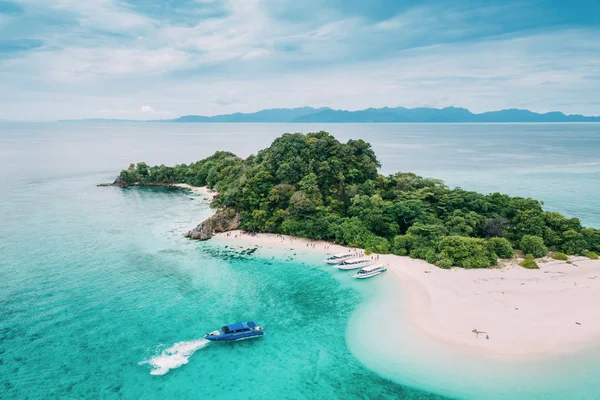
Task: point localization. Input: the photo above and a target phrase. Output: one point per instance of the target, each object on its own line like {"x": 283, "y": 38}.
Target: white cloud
{"x": 529, "y": 72}
{"x": 144, "y": 112}
{"x": 246, "y": 60}
{"x": 110, "y": 15}
{"x": 78, "y": 64}
{"x": 147, "y": 110}
{"x": 150, "y": 111}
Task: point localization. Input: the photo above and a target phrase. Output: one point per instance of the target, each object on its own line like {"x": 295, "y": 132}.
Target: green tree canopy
{"x": 311, "y": 185}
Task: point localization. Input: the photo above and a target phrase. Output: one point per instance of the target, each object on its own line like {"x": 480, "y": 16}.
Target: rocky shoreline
{"x": 119, "y": 182}
{"x": 224, "y": 220}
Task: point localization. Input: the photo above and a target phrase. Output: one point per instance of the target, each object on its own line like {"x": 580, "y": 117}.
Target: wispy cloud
{"x": 69, "y": 59}
{"x": 146, "y": 112}
{"x": 103, "y": 15}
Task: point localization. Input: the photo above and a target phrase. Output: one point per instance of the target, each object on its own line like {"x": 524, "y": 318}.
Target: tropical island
{"x": 461, "y": 262}
{"x": 312, "y": 186}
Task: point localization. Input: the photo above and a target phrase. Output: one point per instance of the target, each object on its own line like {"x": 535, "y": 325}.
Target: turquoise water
{"x": 98, "y": 288}
{"x": 95, "y": 281}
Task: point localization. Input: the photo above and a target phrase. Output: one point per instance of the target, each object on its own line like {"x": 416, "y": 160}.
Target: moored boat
{"x": 354, "y": 263}
{"x": 338, "y": 258}
{"x": 237, "y": 331}
{"x": 370, "y": 271}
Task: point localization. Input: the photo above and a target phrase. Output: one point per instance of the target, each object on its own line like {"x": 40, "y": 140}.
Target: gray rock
{"x": 225, "y": 219}
{"x": 119, "y": 182}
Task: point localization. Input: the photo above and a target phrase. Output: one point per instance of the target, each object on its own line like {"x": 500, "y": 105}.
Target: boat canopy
{"x": 340, "y": 255}
{"x": 356, "y": 260}
{"x": 240, "y": 325}
{"x": 371, "y": 268}
{"x": 236, "y": 326}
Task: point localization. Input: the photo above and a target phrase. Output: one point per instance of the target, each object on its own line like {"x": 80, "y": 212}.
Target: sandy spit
{"x": 518, "y": 311}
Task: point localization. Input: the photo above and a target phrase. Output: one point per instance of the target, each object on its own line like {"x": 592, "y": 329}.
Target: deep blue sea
{"x": 102, "y": 297}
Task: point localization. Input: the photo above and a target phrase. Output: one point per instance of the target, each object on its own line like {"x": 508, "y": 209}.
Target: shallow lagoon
{"x": 409, "y": 357}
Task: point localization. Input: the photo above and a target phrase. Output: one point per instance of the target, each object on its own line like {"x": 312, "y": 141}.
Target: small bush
{"x": 569, "y": 262}
{"x": 533, "y": 245}
{"x": 574, "y": 243}
{"x": 500, "y": 246}
{"x": 402, "y": 244}
{"x": 560, "y": 256}
{"x": 376, "y": 244}
{"x": 368, "y": 252}
{"x": 419, "y": 252}
{"x": 401, "y": 252}
{"x": 467, "y": 252}
{"x": 529, "y": 262}
{"x": 445, "y": 263}
{"x": 592, "y": 255}
{"x": 431, "y": 256}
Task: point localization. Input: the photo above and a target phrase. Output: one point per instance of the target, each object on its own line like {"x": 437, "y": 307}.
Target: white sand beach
{"x": 203, "y": 190}
{"x": 519, "y": 312}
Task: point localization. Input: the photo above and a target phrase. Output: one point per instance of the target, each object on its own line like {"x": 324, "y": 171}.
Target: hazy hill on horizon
{"x": 374, "y": 115}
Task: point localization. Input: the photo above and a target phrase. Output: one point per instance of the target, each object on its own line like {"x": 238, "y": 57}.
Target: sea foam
{"x": 174, "y": 356}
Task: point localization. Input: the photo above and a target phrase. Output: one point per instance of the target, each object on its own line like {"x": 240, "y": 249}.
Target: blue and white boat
{"x": 237, "y": 331}
{"x": 338, "y": 258}
{"x": 370, "y": 271}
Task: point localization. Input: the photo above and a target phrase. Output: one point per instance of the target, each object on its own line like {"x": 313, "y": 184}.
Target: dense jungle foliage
{"x": 316, "y": 187}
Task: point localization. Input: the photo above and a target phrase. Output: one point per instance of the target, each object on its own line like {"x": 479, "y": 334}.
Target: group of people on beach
{"x": 355, "y": 252}
{"x": 361, "y": 253}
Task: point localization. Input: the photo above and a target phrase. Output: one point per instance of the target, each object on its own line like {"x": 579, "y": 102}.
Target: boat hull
{"x": 365, "y": 276}
{"x": 350, "y": 267}
{"x": 233, "y": 336}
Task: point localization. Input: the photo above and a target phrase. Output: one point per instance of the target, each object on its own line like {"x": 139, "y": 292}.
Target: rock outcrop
{"x": 119, "y": 182}
{"x": 225, "y": 219}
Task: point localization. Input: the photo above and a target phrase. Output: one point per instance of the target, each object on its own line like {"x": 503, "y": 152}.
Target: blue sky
{"x": 142, "y": 59}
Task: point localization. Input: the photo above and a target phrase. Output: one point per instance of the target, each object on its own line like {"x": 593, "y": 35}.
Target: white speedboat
{"x": 370, "y": 271}
{"x": 354, "y": 263}
{"x": 338, "y": 258}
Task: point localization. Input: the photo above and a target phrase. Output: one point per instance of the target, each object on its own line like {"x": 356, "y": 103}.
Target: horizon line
{"x": 317, "y": 108}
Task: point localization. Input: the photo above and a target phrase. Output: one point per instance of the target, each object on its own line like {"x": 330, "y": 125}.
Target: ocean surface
{"x": 102, "y": 297}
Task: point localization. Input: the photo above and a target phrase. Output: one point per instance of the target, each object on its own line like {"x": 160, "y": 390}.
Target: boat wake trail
{"x": 174, "y": 356}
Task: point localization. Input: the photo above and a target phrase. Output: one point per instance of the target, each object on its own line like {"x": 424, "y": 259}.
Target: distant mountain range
{"x": 385, "y": 114}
